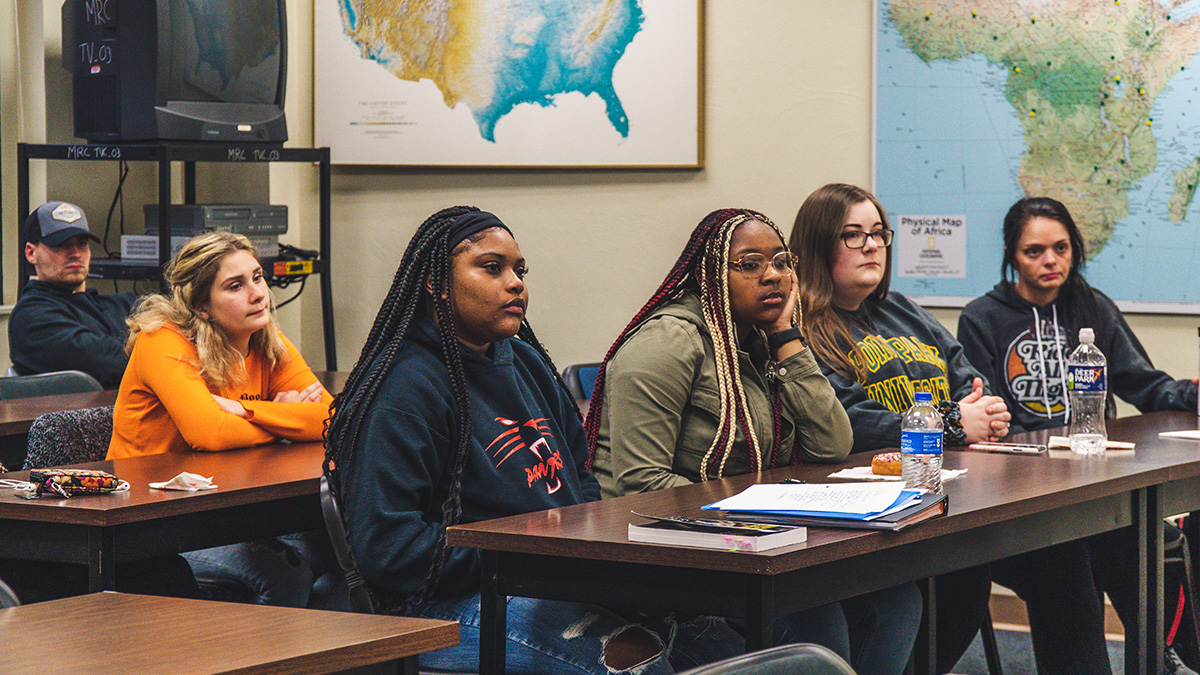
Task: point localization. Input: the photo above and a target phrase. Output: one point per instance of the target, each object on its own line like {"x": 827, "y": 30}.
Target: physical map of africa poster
{"x": 1095, "y": 103}
{"x": 515, "y": 83}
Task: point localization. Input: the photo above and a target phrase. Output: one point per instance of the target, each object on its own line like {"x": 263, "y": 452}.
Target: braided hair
{"x": 426, "y": 264}
{"x": 704, "y": 267}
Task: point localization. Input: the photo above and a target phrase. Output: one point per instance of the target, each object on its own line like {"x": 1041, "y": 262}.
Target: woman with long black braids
{"x": 454, "y": 413}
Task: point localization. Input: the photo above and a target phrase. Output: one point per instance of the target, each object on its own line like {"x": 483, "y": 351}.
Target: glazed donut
{"x": 886, "y": 464}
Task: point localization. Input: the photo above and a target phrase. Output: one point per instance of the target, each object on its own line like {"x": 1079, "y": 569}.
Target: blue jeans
{"x": 273, "y": 570}
{"x": 883, "y": 628}
{"x": 548, "y": 636}
{"x": 874, "y": 632}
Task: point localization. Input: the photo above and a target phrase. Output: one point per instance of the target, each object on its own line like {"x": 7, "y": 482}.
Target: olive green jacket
{"x": 661, "y": 406}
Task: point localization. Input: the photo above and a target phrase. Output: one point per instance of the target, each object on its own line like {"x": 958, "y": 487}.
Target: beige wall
{"x": 787, "y": 109}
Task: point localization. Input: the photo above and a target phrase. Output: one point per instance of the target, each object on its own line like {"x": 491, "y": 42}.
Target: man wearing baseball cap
{"x": 57, "y": 324}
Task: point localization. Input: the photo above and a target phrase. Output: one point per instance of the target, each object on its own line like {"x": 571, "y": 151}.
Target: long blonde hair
{"x": 815, "y": 241}
{"x": 191, "y": 276}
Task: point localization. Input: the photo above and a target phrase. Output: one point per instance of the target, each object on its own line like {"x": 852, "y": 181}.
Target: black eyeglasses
{"x": 753, "y": 265}
{"x": 858, "y": 239}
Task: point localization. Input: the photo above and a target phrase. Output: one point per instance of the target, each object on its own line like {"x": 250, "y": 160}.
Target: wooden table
{"x": 1004, "y": 505}
{"x": 1179, "y": 492}
{"x": 107, "y": 633}
{"x": 262, "y": 492}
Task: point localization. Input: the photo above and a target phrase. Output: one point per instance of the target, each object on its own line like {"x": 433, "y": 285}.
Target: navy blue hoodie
{"x": 56, "y": 329}
{"x": 527, "y": 453}
{"x": 1022, "y": 348}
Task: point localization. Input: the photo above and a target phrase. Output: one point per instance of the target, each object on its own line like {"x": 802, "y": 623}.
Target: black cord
{"x": 285, "y": 302}
{"x": 118, "y": 196}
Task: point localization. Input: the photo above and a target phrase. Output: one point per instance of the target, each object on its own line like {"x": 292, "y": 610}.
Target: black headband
{"x": 470, "y": 223}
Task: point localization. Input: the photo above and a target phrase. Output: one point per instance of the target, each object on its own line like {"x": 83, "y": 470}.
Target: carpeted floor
{"x": 1016, "y": 655}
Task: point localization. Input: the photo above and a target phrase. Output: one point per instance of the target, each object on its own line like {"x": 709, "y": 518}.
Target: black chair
{"x": 69, "y": 437}
{"x": 794, "y": 659}
{"x": 1178, "y": 553}
{"x": 581, "y": 379}
{"x": 7, "y": 597}
{"x": 991, "y": 653}
{"x": 48, "y": 384}
{"x": 360, "y": 600}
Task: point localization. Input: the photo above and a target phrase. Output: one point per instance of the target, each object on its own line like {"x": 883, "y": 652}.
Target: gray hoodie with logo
{"x": 1023, "y": 348}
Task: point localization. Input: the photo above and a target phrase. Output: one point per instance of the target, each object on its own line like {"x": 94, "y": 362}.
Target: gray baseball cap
{"x": 53, "y": 223}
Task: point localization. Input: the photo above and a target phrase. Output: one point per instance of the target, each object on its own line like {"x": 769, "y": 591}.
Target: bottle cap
{"x": 1087, "y": 335}
{"x": 923, "y": 396}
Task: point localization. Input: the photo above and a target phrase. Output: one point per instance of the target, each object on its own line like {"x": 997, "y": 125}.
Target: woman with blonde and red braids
{"x": 711, "y": 379}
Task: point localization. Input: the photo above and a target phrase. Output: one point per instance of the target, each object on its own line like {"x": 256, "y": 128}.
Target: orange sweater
{"x": 164, "y": 405}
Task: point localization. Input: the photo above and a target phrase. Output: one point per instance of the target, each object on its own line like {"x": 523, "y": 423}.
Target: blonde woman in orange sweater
{"x": 208, "y": 367}
{"x": 209, "y": 370}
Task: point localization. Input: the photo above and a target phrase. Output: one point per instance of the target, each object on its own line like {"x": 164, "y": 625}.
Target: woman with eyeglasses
{"x": 877, "y": 348}
{"x": 711, "y": 378}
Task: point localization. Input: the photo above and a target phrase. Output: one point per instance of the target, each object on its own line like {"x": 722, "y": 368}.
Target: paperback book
{"x": 711, "y": 533}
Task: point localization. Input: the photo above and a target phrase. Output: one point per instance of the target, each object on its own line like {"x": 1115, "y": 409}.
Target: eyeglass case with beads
{"x": 70, "y": 482}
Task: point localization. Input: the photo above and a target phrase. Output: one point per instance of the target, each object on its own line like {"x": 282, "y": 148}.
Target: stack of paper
{"x": 854, "y": 505}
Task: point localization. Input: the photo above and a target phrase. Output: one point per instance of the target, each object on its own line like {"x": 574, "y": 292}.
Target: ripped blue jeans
{"x": 548, "y": 636}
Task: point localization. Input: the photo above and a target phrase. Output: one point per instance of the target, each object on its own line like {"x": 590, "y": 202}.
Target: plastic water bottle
{"x": 1087, "y": 386}
{"x": 921, "y": 445}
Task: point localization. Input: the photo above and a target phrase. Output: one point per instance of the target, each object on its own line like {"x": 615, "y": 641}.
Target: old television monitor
{"x": 177, "y": 70}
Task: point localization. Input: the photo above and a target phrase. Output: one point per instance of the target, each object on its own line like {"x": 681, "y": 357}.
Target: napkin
{"x": 189, "y": 482}
{"x": 864, "y": 473}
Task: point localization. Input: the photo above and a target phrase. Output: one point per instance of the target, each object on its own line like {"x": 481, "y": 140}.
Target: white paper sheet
{"x": 864, "y": 473}
{"x": 1187, "y": 434}
{"x": 852, "y": 498}
{"x": 1064, "y": 442}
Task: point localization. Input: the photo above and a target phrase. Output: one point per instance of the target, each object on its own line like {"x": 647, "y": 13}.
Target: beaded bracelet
{"x": 952, "y": 430}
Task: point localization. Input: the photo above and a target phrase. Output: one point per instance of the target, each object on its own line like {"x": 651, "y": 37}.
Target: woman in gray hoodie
{"x": 1020, "y": 335}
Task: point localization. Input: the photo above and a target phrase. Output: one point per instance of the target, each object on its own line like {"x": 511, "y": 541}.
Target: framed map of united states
{"x": 520, "y": 83}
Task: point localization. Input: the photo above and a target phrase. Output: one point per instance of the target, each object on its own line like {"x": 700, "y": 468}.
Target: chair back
{"x": 69, "y": 437}
{"x": 581, "y": 379}
{"x": 793, "y": 659}
{"x": 48, "y": 384}
{"x": 360, "y": 600}
{"x": 7, "y": 597}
